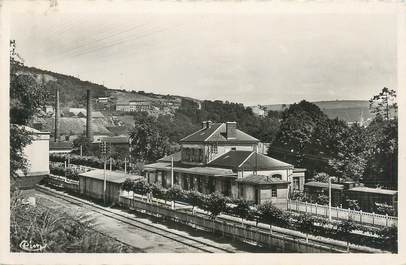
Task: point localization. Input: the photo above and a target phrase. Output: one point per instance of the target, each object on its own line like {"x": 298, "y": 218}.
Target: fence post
{"x": 270, "y": 229}
{"x": 360, "y": 216}
{"x": 348, "y": 215}
{"x": 386, "y": 217}
{"x": 306, "y": 206}
{"x": 316, "y": 208}
{"x": 234, "y": 232}
{"x": 373, "y": 218}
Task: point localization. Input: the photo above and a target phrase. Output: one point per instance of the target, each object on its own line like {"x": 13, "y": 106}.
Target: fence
{"x": 344, "y": 214}
{"x": 63, "y": 183}
{"x": 284, "y": 243}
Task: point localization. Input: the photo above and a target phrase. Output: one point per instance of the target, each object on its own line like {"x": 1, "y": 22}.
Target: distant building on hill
{"x": 102, "y": 100}
{"x": 134, "y": 105}
{"x": 258, "y": 111}
{"x": 221, "y": 158}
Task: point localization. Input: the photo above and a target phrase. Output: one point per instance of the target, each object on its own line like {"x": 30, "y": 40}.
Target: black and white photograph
{"x": 202, "y": 127}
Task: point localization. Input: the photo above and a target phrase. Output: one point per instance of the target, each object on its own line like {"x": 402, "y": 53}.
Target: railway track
{"x": 185, "y": 240}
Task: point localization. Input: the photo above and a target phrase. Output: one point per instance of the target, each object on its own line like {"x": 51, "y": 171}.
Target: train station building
{"x": 221, "y": 158}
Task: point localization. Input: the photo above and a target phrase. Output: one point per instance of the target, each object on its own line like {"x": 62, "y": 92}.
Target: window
{"x": 214, "y": 148}
{"x": 274, "y": 192}
{"x": 241, "y": 191}
{"x": 233, "y": 148}
{"x": 278, "y": 176}
{"x": 295, "y": 183}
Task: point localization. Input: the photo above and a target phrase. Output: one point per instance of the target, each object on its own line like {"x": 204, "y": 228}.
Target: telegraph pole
{"x": 125, "y": 165}
{"x": 103, "y": 152}
{"x": 329, "y": 199}
{"x": 173, "y": 202}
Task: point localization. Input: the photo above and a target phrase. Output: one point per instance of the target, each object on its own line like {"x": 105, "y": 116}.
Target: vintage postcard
{"x": 228, "y": 132}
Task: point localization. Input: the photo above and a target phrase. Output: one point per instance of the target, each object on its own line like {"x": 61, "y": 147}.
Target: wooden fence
{"x": 284, "y": 243}
{"x": 63, "y": 183}
{"x": 343, "y": 214}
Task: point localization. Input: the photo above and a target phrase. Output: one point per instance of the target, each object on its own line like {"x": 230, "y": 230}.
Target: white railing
{"x": 341, "y": 213}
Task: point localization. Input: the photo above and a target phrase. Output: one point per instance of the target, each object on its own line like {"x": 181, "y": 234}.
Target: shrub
{"x": 389, "y": 238}
{"x": 215, "y": 203}
{"x": 273, "y": 215}
{"x": 195, "y": 198}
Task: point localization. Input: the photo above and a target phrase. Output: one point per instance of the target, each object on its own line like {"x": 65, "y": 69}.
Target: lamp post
{"x": 173, "y": 202}
{"x": 329, "y": 199}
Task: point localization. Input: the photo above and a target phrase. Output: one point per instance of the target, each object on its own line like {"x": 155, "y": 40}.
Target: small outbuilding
{"x": 262, "y": 189}
{"x": 91, "y": 184}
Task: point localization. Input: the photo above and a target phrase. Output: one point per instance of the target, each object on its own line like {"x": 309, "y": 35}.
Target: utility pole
{"x": 329, "y": 199}
{"x": 173, "y": 202}
{"x": 125, "y": 165}
{"x": 103, "y": 152}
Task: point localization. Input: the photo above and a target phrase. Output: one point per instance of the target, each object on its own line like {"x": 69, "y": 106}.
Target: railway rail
{"x": 185, "y": 240}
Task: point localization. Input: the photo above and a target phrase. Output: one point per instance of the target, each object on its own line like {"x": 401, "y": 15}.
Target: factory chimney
{"x": 89, "y": 133}
{"x": 57, "y": 115}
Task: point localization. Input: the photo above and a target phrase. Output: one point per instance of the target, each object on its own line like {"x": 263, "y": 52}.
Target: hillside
{"x": 73, "y": 90}
{"x": 347, "y": 110}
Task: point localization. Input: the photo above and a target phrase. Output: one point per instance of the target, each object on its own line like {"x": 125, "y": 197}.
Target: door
{"x": 256, "y": 193}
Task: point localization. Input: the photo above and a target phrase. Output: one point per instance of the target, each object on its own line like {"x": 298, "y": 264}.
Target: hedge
{"x": 215, "y": 203}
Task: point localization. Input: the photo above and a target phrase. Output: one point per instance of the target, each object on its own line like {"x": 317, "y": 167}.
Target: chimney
{"x": 89, "y": 132}
{"x": 231, "y": 127}
{"x": 57, "y": 115}
{"x": 208, "y": 124}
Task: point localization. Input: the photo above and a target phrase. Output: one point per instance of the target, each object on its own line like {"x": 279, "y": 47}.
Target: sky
{"x": 250, "y": 58}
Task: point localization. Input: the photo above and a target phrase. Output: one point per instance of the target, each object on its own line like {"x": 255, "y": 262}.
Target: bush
{"x": 389, "y": 236}
{"x": 215, "y": 203}
{"x": 195, "y": 198}
{"x": 272, "y": 215}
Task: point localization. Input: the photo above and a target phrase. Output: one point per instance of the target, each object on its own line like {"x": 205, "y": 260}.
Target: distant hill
{"x": 347, "y": 110}
{"x": 73, "y": 90}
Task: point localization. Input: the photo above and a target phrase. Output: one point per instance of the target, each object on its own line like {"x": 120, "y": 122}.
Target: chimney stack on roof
{"x": 206, "y": 124}
{"x": 89, "y": 131}
{"x": 231, "y": 127}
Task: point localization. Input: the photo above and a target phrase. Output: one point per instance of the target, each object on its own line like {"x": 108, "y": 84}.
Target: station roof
{"x": 217, "y": 133}
{"x": 198, "y": 170}
{"x": 176, "y": 157}
{"x": 374, "y": 190}
{"x": 260, "y": 180}
{"x": 113, "y": 176}
{"x": 324, "y": 185}
{"x": 249, "y": 160}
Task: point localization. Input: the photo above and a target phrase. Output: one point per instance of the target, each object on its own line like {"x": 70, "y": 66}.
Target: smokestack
{"x": 89, "y": 133}
{"x": 57, "y": 115}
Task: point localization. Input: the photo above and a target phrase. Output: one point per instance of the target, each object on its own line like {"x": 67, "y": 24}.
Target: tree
{"x": 147, "y": 141}
{"x": 295, "y": 139}
{"x": 383, "y": 103}
{"x": 382, "y": 153}
{"x": 349, "y": 160}
{"x": 26, "y": 98}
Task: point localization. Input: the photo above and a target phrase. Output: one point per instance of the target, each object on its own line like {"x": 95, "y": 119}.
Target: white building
{"x": 37, "y": 155}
